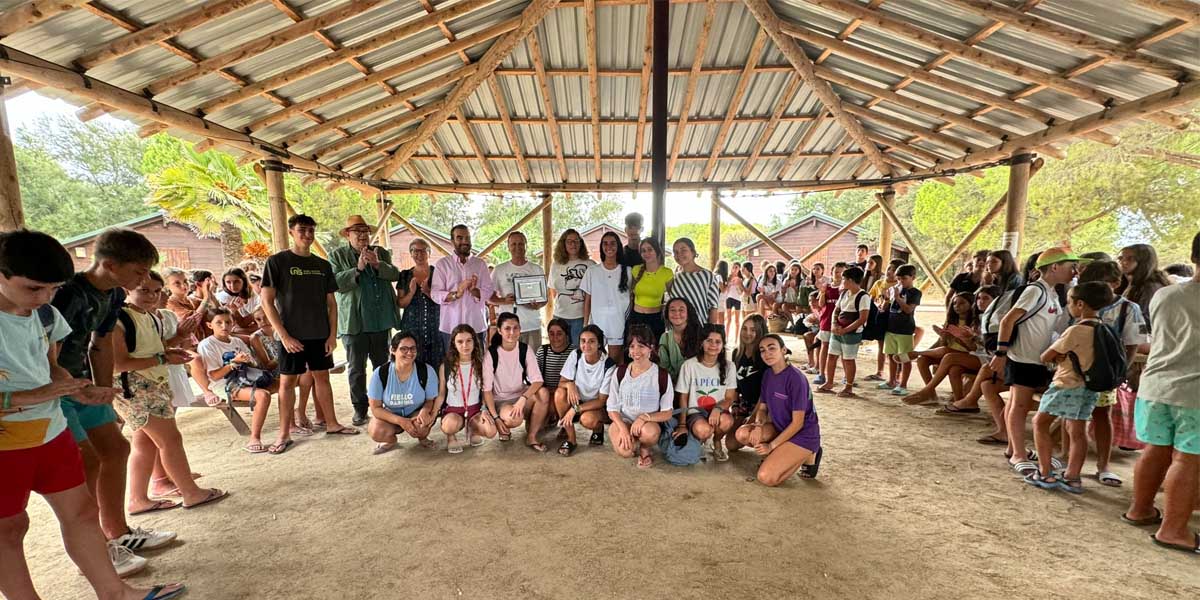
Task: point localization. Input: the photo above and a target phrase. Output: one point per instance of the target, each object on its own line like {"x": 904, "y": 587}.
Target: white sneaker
{"x": 124, "y": 560}
{"x": 144, "y": 539}
{"x": 719, "y": 451}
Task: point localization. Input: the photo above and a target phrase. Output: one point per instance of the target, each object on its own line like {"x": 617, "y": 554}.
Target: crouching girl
{"x": 706, "y": 392}
{"x": 460, "y": 379}
{"x": 578, "y": 397}
{"x": 401, "y": 395}
{"x": 513, "y": 381}
{"x": 791, "y": 440}
{"x": 639, "y": 398}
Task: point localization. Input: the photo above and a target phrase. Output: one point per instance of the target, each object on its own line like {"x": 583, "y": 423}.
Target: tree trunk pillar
{"x": 547, "y": 247}
{"x": 888, "y": 198}
{"x": 273, "y": 174}
{"x": 714, "y": 233}
{"x": 1018, "y": 189}
{"x": 385, "y": 215}
{"x": 12, "y": 215}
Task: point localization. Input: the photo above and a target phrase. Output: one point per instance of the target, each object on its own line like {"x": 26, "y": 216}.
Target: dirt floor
{"x": 907, "y": 505}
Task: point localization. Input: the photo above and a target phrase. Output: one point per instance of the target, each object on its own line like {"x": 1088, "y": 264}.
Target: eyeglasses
{"x": 360, "y": 231}
{"x": 407, "y": 349}
{"x": 418, "y": 251}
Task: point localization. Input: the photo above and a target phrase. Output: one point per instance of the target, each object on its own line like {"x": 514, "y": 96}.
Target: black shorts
{"x": 1034, "y": 376}
{"x": 311, "y": 358}
{"x": 733, "y": 304}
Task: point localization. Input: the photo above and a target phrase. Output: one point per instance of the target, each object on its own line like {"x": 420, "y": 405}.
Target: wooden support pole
{"x": 888, "y": 197}
{"x": 1018, "y": 191}
{"x": 381, "y": 231}
{"x": 546, "y": 199}
{"x": 547, "y": 246}
{"x": 978, "y": 229}
{"x": 12, "y": 215}
{"x": 890, "y": 213}
{"x": 839, "y": 233}
{"x": 659, "y": 111}
{"x": 714, "y": 231}
{"x": 754, "y": 230}
{"x": 273, "y": 175}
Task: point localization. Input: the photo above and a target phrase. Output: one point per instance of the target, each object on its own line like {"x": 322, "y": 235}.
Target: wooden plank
{"x": 888, "y": 212}
{"x": 735, "y": 103}
{"x": 754, "y": 230}
{"x": 503, "y": 237}
{"x": 160, "y": 31}
{"x": 781, "y": 105}
{"x": 474, "y": 143}
{"x": 12, "y": 213}
{"x": 535, "y": 51}
{"x": 589, "y": 9}
{"x": 509, "y": 131}
{"x": 647, "y": 62}
{"x": 29, "y": 14}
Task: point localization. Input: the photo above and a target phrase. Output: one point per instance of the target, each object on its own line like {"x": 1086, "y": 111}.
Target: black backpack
{"x": 1029, "y": 314}
{"x": 130, "y": 328}
{"x": 45, "y": 315}
{"x": 1109, "y": 363}
{"x": 421, "y": 368}
{"x": 522, "y": 350}
{"x": 662, "y": 378}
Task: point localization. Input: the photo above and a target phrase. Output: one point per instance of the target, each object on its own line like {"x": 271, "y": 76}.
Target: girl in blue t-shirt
{"x": 784, "y": 427}
{"x": 402, "y": 397}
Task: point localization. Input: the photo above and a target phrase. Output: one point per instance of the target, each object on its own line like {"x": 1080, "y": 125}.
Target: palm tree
{"x": 211, "y": 193}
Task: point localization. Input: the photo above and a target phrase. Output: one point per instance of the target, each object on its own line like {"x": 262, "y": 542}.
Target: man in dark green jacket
{"x": 366, "y": 299}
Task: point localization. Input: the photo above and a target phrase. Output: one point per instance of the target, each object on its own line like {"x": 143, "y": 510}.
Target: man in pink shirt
{"x": 461, "y": 285}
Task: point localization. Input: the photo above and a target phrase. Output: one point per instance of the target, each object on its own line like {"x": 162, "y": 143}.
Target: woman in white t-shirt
{"x": 768, "y": 289}
{"x": 583, "y": 378}
{"x": 236, "y": 294}
{"x": 706, "y": 392}
{"x": 460, "y": 401}
{"x": 571, "y": 263}
{"x": 639, "y": 398}
{"x": 606, "y": 295}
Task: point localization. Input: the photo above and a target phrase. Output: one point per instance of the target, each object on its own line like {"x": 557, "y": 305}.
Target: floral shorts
{"x": 150, "y": 399}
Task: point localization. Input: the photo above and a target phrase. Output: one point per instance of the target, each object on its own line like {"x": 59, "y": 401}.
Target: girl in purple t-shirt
{"x": 791, "y": 440}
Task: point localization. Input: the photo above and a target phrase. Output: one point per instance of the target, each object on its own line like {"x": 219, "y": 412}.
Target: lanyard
{"x": 464, "y": 388}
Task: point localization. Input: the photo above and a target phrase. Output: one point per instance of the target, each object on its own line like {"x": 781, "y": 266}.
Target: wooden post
{"x": 12, "y": 215}
{"x": 503, "y": 237}
{"x": 1018, "y": 189}
{"x": 548, "y": 245}
{"x": 890, "y": 214}
{"x": 750, "y": 226}
{"x": 659, "y": 115}
{"x": 385, "y": 209}
{"x": 273, "y": 175}
{"x": 714, "y": 231}
{"x": 839, "y": 233}
{"x": 886, "y": 199}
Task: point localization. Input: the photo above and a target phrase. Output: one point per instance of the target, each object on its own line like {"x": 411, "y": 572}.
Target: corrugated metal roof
{"x": 620, "y": 43}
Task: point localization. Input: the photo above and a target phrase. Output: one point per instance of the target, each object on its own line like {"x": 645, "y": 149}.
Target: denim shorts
{"x": 1076, "y": 404}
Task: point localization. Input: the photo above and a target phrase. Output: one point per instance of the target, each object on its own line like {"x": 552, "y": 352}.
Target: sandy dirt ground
{"x": 907, "y": 505}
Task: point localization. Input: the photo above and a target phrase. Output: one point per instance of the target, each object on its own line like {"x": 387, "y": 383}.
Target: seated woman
{"x": 681, "y": 340}
{"x": 551, "y": 358}
{"x": 578, "y": 397}
{"x": 956, "y": 343}
{"x": 812, "y": 328}
{"x": 791, "y": 440}
{"x": 989, "y": 322}
{"x": 706, "y": 392}
{"x": 402, "y": 393}
{"x": 147, "y": 406}
{"x": 223, "y": 354}
{"x": 460, "y": 379}
{"x": 639, "y": 398}
{"x": 791, "y": 300}
{"x": 512, "y": 382}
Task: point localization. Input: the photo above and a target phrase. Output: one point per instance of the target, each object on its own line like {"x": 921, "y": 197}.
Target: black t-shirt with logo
{"x": 900, "y": 322}
{"x": 87, "y": 310}
{"x": 301, "y": 284}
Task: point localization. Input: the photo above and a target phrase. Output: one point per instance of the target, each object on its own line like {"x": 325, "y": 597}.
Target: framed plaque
{"x": 529, "y": 289}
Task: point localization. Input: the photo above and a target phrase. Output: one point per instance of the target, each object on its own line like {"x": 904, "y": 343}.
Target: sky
{"x": 682, "y": 207}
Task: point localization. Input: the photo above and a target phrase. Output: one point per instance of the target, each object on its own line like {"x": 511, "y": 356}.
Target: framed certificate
{"x": 529, "y": 289}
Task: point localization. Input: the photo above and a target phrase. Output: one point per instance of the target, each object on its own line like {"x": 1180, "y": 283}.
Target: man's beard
{"x": 462, "y": 250}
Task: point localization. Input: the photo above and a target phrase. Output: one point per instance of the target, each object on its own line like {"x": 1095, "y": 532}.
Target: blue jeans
{"x": 574, "y": 328}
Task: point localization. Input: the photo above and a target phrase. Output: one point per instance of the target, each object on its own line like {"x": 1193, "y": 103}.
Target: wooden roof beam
{"x": 539, "y": 65}
{"x": 160, "y": 31}
{"x": 530, "y": 17}
{"x": 474, "y": 143}
{"x": 735, "y": 103}
{"x": 833, "y": 158}
{"x": 644, "y": 95}
{"x": 805, "y": 138}
{"x": 900, "y": 124}
{"x": 589, "y": 9}
{"x": 377, "y": 130}
{"x": 628, "y": 157}
{"x": 1180, "y": 9}
{"x": 785, "y": 99}
{"x": 710, "y": 12}
{"x": 29, "y": 14}
{"x": 767, "y": 19}
{"x": 513, "y": 141}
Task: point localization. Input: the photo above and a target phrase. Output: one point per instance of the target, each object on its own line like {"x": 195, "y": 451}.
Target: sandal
{"x": 213, "y": 400}
{"x": 343, "y": 431}
{"x": 302, "y": 431}
{"x": 383, "y": 448}
{"x": 645, "y": 461}
{"x": 825, "y": 390}
{"x": 1047, "y": 482}
{"x": 156, "y": 506}
{"x": 951, "y": 409}
{"x": 597, "y": 439}
{"x": 504, "y": 437}
{"x": 281, "y": 447}
{"x": 566, "y": 449}
{"x": 1025, "y": 468}
{"x": 810, "y": 471}
{"x": 476, "y": 441}
{"x": 159, "y": 592}
{"x": 1109, "y": 478}
{"x": 1074, "y": 486}
{"x": 427, "y": 443}
{"x": 256, "y": 448}
{"x": 1144, "y": 522}
{"x": 1193, "y": 549}
{"x": 847, "y": 393}
{"x": 992, "y": 440}
{"x": 214, "y": 495}
{"x": 537, "y": 447}
{"x": 454, "y": 446}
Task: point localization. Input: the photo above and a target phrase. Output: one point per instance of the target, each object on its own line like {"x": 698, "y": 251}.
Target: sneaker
{"x": 720, "y": 454}
{"x": 144, "y": 539}
{"x": 124, "y": 560}
{"x": 883, "y": 385}
{"x": 820, "y": 380}
{"x": 899, "y": 391}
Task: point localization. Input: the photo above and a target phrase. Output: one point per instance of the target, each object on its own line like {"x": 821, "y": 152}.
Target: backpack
{"x": 662, "y": 378}
{"x": 681, "y": 456}
{"x": 45, "y": 315}
{"x": 522, "y": 350}
{"x": 130, "y": 329}
{"x": 872, "y": 325}
{"x": 1109, "y": 364}
{"x": 421, "y": 368}
{"x": 991, "y": 343}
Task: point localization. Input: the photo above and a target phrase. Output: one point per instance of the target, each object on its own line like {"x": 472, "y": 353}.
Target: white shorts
{"x": 824, "y": 336}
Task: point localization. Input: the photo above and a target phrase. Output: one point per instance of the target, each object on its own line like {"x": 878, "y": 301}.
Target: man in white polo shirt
{"x": 504, "y": 297}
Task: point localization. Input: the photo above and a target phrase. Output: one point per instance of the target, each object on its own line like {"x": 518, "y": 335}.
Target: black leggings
{"x": 653, "y": 320}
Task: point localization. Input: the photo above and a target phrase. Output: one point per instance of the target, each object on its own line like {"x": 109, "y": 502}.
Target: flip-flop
{"x": 158, "y": 505}
{"x": 1024, "y": 468}
{"x": 824, "y": 390}
{"x": 476, "y": 441}
{"x": 427, "y": 443}
{"x": 1109, "y": 478}
{"x": 991, "y": 440}
{"x": 383, "y": 448}
{"x": 214, "y": 495}
{"x": 645, "y": 461}
{"x": 343, "y": 431}
{"x": 1193, "y": 549}
{"x": 454, "y": 446}
{"x": 845, "y": 394}
{"x": 280, "y": 448}
{"x": 537, "y": 447}
{"x": 505, "y": 437}
{"x": 251, "y": 448}
{"x": 951, "y": 409}
{"x": 156, "y": 592}
{"x": 302, "y": 431}
{"x": 567, "y": 448}
{"x": 1145, "y": 522}
{"x": 810, "y": 471}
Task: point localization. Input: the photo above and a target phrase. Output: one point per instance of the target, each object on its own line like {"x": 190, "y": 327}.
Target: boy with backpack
{"x": 1078, "y": 353}
{"x": 37, "y": 452}
{"x": 852, "y": 313}
{"x": 1036, "y": 316}
{"x": 898, "y": 342}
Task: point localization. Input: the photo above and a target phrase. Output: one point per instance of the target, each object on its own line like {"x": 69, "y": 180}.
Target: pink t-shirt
{"x": 507, "y": 384}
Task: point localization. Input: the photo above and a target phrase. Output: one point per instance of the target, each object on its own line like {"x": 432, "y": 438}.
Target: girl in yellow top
{"x": 650, "y": 281}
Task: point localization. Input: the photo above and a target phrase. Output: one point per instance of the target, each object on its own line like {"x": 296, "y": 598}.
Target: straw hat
{"x": 354, "y": 221}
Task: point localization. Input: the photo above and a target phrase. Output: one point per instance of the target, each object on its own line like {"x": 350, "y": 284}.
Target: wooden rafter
{"x": 644, "y": 91}
{"x": 628, "y": 157}
{"x": 509, "y": 131}
{"x": 630, "y": 121}
{"x": 735, "y": 103}
{"x": 31, "y": 13}
{"x": 710, "y": 13}
{"x": 798, "y": 151}
{"x": 530, "y": 17}
{"x": 1180, "y": 9}
{"x": 833, "y": 158}
{"x": 767, "y": 19}
{"x": 912, "y": 128}
{"x": 388, "y": 125}
{"x": 535, "y": 52}
{"x": 785, "y": 98}
{"x": 160, "y": 31}
{"x": 474, "y": 143}
{"x": 589, "y": 9}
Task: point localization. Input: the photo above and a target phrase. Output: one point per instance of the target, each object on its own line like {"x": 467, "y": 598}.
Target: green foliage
{"x": 210, "y": 189}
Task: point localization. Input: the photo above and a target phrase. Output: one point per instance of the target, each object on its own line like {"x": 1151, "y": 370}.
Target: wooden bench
{"x": 229, "y": 409}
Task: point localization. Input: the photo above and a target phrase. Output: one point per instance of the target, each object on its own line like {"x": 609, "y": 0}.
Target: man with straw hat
{"x": 366, "y": 299}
